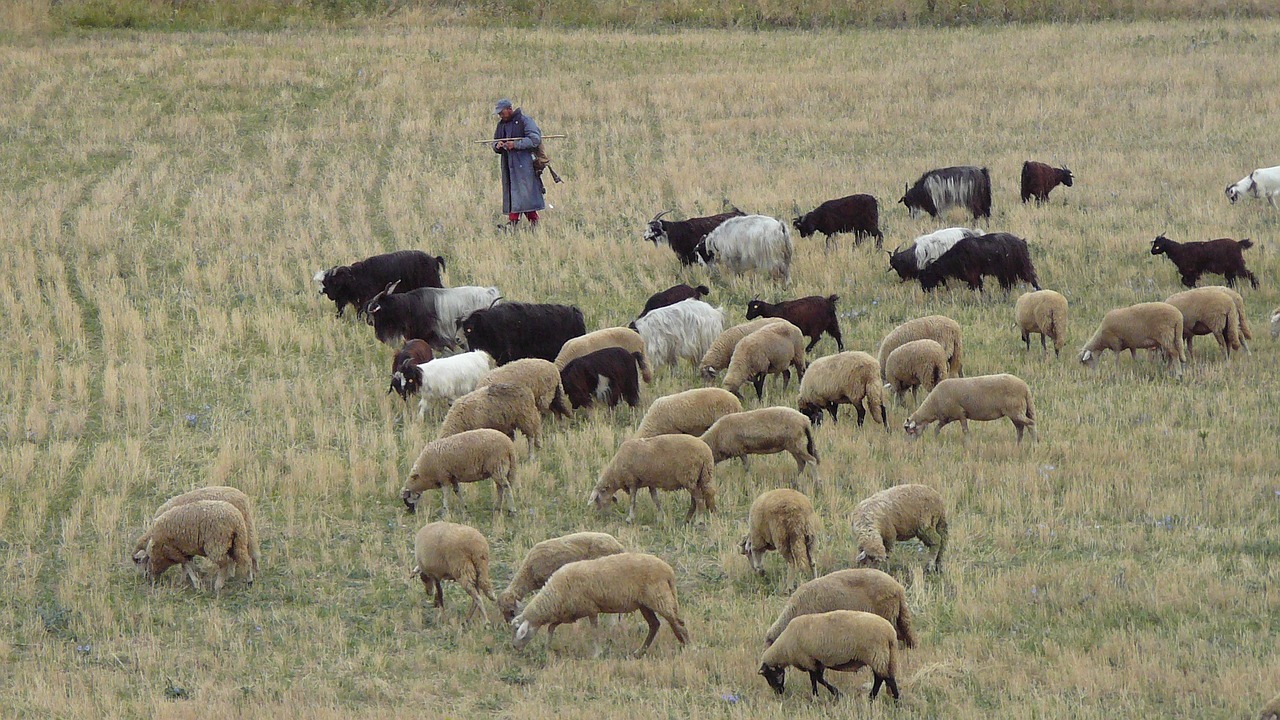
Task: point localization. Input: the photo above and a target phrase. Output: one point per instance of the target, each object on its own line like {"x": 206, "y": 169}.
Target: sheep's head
{"x": 600, "y": 500}
{"x": 912, "y": 429}
{"x": 708, "y": 373}
{"x": 744, "y": 545}
{"x": 509, "y": 607}
{"x": 776, "y": 676}
{"x": 811, "y": 411}
{"x": 523, "y": 632}
{"x": 1089, "y": 358}
{"x": 141, "y": 558}
{"x": 875, "y": 558}
{"x": 411, "y": 498}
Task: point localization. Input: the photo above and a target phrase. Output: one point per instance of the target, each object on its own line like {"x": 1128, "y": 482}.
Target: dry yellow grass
{"x": 166, "y": 200}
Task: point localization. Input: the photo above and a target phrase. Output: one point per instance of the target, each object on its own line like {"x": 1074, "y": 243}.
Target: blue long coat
{"x": 522, "y": 189}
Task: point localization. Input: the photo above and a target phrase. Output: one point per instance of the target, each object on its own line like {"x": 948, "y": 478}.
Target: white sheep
{"x": 449, "y": 551}
{"x": 622, "y": 337}
{"x": 466, "y": 457}
{"x": 750, "y": 242}
{"x": 212, "y": 492}
{"x": 690, "y": 412}
{"x": 773, "y": 349}
{"x": 214, "y": 529}
{"x": 502, "y": 407}
{"x": 919, "y": 363}
{"x": 1043, "y": 312}
{"x": 933, "y": 327}
{"x": 781, "y": 520}
{"x": 983, "y": 398}
{"x": 621, "y": 583}
{"x": 847, "y": 378}
{"x": 720, "y": 353}
{"x": 763, "y": 432}
{"x": 664, "y": 462}
{"x": 1261, "y": 183}
{"x": 865, "y": 589}
{"x": 845, "y": 640}
{"x": 1208, "y": 311}
{"x": 684, "y": 330}
{"x": 934, "y": 245}
{"x": 900, "y": 513}
{"x": 445, "y": 378}
{"x": 548, "y": 556}
{"x": 1154, "y": 325}
{"x": 540, "y": 376}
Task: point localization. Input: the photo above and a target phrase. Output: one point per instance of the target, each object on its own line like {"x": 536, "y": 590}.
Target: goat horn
{"x": 495, "y": 302}
{"x": 658, "y": 217}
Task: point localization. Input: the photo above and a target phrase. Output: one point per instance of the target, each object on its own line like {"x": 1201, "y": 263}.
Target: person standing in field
{"x": 522, "y": 188}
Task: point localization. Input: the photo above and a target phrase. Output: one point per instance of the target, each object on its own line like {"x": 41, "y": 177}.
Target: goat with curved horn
{"x": 658, "y": 217}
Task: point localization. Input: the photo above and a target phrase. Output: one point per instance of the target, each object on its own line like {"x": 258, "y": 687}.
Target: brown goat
{"x": 1038, "y": 179}
{"x": 814, "y": 315}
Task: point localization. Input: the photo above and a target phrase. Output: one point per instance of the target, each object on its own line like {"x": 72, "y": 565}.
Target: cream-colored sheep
{"x": 466, "y": 457}
{"x": 721, "y": 351}
{"x": 900, "y": 513}
{"x": 225, "y": 493}
{"x": 851, "y": 378}
{"x": 1271, "y": 711}
{"x": 781, "y": 520}
{"x": 540, "y": 376}
{"x": 622, "y": 337}
{"x": 919, "y": 363}
{"x": 1208, "y": 311}
{"x": 845, "y": 640}
{"x": 934, "y": 327}
{"x": 773, "y": 349}
{"x": 622, "y": 583}
{"x": 985, "y": 397}
{"x": 865, "y": 589}
{"x": 449, "y": 551}
{"x": 1154, "y": 325}
{"x": 548, "y": 556}
{"x": 1243, "y": 331}
{"x": 764, "y": 432}
{"x": 1043, "y": 312}
{"x": 214, "y": 529}
{"x": 690, "y": 412}
{"x": 664, "y": 462}
{"x": 502, "y": 407}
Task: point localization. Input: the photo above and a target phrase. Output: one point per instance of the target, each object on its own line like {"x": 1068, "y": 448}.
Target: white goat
{"x": 684, "y": 330}
{"x": 750, "y": 242}
{"x": 447, "y": 378}
{"x": 1261, "y": 183}
{"x": 931, "y": 247}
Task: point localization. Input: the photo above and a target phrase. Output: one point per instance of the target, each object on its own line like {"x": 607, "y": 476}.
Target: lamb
{"x": 673, "y": 295}
{"x": 1271, "y": 711}
{"x": 414, "y": 353}
{"x": 720, "y": 353}
{"x": 683, "y": 330}
{"x": 503, "y": 407}
{"x": 763, "y": 432}
{"x": 814, "y": 315}
{"x": 925, "y": 249}
{"x": 851, "y": 378}
{"x": 443, "y": 378}
{"x": 548, "y": 556}
{"x": 900, "y": 513}
{"x": 665, "y": 462}
{"x": 449, "y": 551}
{"x": 621, "y": 583}
{"x": 1261, "y": 183}
{"x": 212, "y": 492}
{"x": 984, "y": 397}
{"x": 771, "y": 350}
{"x": 541, "y": 377}
{"x": 690, "y": 412}
{"x": 622, "y": 337}
{"x": 467, "y": 457}
{"x": 1208, "y": 311}
{"x": 846, "y": 640}
{"x": 781, "y": 520}
{"x": 1153, "y": 325}
{"x": 865, "y": 589}
{"x": 1043, "y": 312}
{"x": 1223, "y": 256}
{"x": 934, "y": 327}
{"x": 750, "y": 242}
{"x": 214, "y": 529}
{"x": 915, "y": 364}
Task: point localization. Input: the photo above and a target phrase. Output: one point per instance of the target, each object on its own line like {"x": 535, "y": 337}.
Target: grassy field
{"x": 167, "y": 198}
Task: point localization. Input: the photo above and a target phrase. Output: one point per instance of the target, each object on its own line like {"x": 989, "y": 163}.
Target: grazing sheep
{"x": 608, "y": 374}
{"x": 851, "y": 378}
{"x": 1043, "y": 312}
{"x": 1039, "y": 179}
{"x": 449, "y": 551}
{"x": 896, "y": 514}
{"x": 764, "y": 432}
{"x": 924, "y": 250}
{"x": 212, "y": 492}
{"x": 444, "y": 378}
{"x": 505, "y": 408}
{"x": 548, "y": 556}
{"x": 934, "y": 327}
{"x": 1151, "y": 325}
{"x": 865, "y": 589}
{"x": 1271, "y": 711}
{"x": 720, "y": 353}
{"x": 666, "y": 462}
{"x": 673, "y": 295}
{"x": 413, "y": 354}
{"x": 913, "y": 365}
{"x": 467, "y": 457}
{"x": 622, "y": 337}
{"x": 985, "y": 397}
{"x": 683, "y": 330}
{"x": 781, "y": 520}
{"x": 750, "y": 242}
{"x": 1208, "y": 311}
{"x": 771, "y": 350}
{"x": 541, "y": 377}
{"x": 214, "y": 529}
{"x": 1261, "y": 183}
{"x": 845, "y": 640}
{"x": 814, "y": 315}
{"x": 1223, "y": 256}
{"x": 621, "y": 583}
{"x": 690, "y": 412}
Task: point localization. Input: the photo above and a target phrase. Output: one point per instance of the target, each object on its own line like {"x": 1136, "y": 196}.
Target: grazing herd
{"x": 503, "y": 366}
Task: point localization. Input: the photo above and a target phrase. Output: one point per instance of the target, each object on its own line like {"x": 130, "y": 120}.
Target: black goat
{"x": 682, "y": 236}
{"x": 356, "y": 284}
{"x": 1223, "y": 256}
{"x": 1001, "y": 255}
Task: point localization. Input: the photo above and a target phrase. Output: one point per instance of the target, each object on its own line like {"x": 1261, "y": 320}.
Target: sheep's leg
{"x": 652, "y": 618}
{"x": 657, "y": 504}
{"x": 219, "y": 577}
{"x": 1017, "y": 426}
{"x": 862, "y": 413}
{"x": 892, "y": 683}
{"x": 475, "y": 603}
{"x": 964, "y": 425}
{"x": 190, "y": 567}
{"x": 786, "y": 378}
{"x": 693, "y": 507}
{"x": 1043, "y": 345}
{"x": 631, "y": 511}
{"x": 746, "y": 462}
{"x": 1026, "y": 339}
{"x": 833, "y": 409}
{"x": 457, "y": 494}
{"x": 875, "y": 686}
{"x": 439, "y": 600}
{"x": 817, "y": 677}
{"x": 758, "y": 383}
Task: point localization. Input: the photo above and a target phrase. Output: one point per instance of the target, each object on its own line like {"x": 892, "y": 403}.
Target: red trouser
{"x": 532, "y": 215}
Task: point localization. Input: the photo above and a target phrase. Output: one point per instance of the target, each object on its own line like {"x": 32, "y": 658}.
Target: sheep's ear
{"x": 862, "y": 556}
{"x": 522, "y": 632}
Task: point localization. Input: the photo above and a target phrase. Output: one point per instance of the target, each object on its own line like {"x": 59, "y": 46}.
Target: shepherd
{"x": 522, "y": 187}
